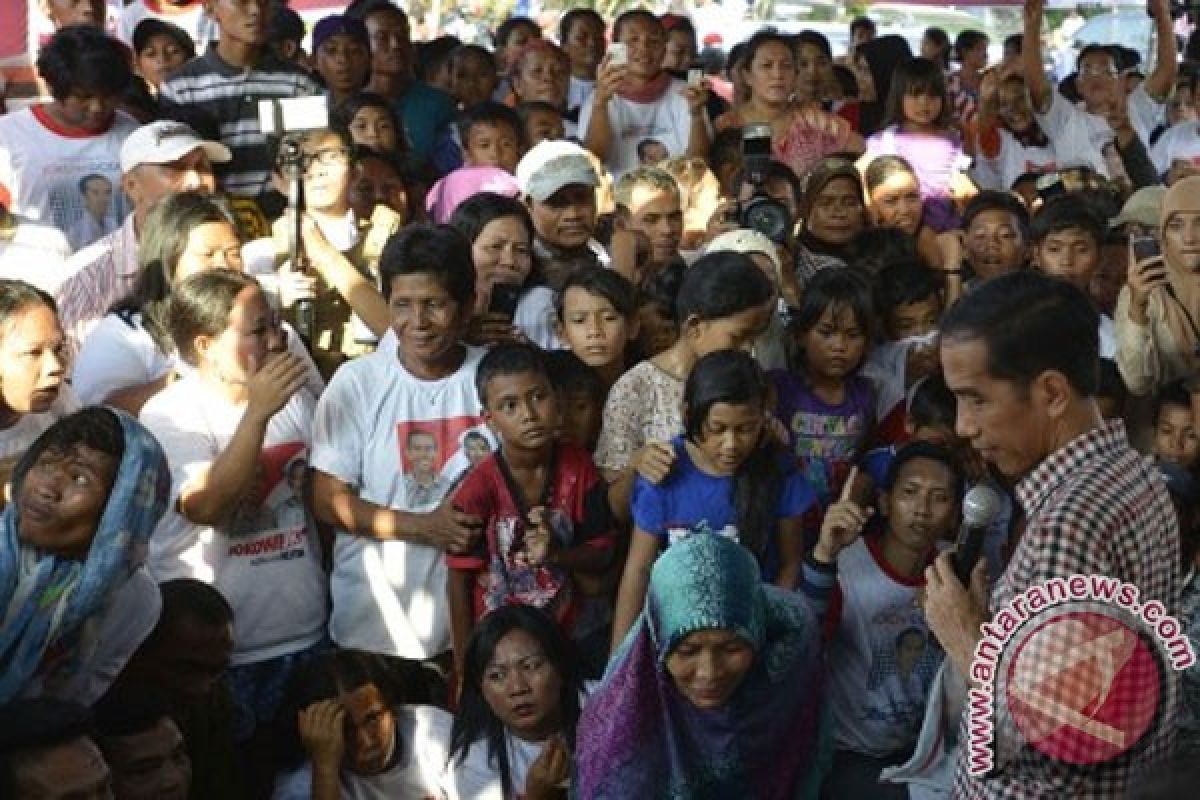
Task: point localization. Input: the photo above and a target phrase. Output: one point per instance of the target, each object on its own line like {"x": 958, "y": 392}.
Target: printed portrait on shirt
{"x": 433, "y": 453}
{"x": 904, "y": 661}
{"x": 85, "y": 200}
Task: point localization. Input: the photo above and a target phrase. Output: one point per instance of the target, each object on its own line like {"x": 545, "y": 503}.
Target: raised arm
{"x": 1031, "y": 57}
{"x": 1161, "y": 80}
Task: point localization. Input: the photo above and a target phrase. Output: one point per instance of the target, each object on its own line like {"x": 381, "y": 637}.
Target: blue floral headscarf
{"x": 639, "y": 737}
{"x": 63, "y": 593}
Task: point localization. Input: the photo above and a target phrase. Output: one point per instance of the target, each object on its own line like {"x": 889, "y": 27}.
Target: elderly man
{"x": 156, "y": 160}
{"x": 1020, "y": 355}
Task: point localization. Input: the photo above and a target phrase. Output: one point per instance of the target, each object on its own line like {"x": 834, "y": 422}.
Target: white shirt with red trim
{"x": 882, "y": 656}
{"x": 42, "y": 164}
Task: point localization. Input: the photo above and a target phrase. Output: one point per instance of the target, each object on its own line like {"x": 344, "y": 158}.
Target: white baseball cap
{"x": 553, "y": 164}
{"x": 165, "y": 141}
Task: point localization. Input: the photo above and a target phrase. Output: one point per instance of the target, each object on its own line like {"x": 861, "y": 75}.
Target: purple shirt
{"x": 935, "y": 160}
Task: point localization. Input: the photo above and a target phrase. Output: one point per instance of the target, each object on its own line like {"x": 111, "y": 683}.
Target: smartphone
{"x": 695, "y": 76}
{"x": 618, "y": 54}
{"x": 1145, "y": 247}
{"x": 505, "y": 297}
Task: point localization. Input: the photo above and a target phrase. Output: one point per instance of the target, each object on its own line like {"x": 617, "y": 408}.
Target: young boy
{"x": 882, "y": 656}
{"x": 1175, "y": 438}
{"x": 491, "y": 136}
{"x": 581, "y": 395}
{"x": 1067, "y": 235}
{"x": 910, "y": 302}
{"x": 540, "y": 122}
{"x": 542, "y": 503}
{"x": 597, "y": 319}
{"x": 996, "y": 225}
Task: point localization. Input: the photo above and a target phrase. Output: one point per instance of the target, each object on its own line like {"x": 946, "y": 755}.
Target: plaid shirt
{"x": 1094, "y": 507}
{"x": 97, "y": 277}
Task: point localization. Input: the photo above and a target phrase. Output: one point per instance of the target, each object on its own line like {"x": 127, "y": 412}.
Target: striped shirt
{"x": 229, "y": 97}
{"x": 97, "y": 276}
{"x": 1094, "y": 507}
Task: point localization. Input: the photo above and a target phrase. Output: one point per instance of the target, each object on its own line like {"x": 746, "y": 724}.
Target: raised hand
{"x": 274, "y": 382}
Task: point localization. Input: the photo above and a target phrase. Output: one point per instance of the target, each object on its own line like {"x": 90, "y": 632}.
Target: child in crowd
{"x": 491, "y": 137}
{"x": 1066, "y": 236}
{"x": 371, "y": 122}
{"x": 474, "y": 78}
{"x": 909, "y": 301}
{"x": 581, "y": 394}
{"x": 729, "y": 478}
{"x": 920, "y": 129}
{"x": 160, "y": 48}
{"x": 656, "y": 328}
{"x": 929, "y": 417}
{"x": 597, "y": 319}
{"x": 882, "y": 655}
{"x": 540, "y": 121}
{"x": 724, "y": 302}
{"x": 995, "y": 235}
{"x": 1175, "y": 438}
{"x": 825, "y": 404}
{"x": 541, "y": 501}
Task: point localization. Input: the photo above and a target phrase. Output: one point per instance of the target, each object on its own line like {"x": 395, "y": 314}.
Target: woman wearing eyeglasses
{"x": 785, "y": 84}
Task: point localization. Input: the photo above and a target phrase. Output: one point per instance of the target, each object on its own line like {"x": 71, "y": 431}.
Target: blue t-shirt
{"x": 690, "y": 500}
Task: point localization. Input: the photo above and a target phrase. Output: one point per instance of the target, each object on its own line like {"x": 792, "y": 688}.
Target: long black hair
{"x": 733, "y": 377}
{"x": 917, "y": 76}
{"x": 475, "y": 720}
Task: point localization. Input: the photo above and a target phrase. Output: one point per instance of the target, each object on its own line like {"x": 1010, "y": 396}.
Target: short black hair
{"x": 1015, "y": 42}
{"x": 993, "y": 200}
{"x": 863, "y": 23}
{"x": 721, "y": 285}
{"x": 601, "y": 282}
{"x": 286, "y": 25}
{"x": 510, "y": 358}
{"x": 1066, "y": 212}
{"x": 1172, "y": 394}
{"x": 433, "y": 55}
{"x": 568, "y": 374}
{"x": 968, "y": 40}
{"x": 505, "y": 31}
{"x": 96, "y": 428}
{"x": 1030, "y": 324}
{"x": 934, "y": 452}
{"x": 873, "y": 249}
{"x": 81, "y": 58}
{"x": 29, "y": 724}
{"x": 436, "y": 250}
{"x": 568, "y": 20}
{"x": 191, "y": 599}
{"x": 903, "y": 283}
{"x": 361, "y": 9}
{"x": 489, "y": 113}
{"x": 127, "y": 709}
{"x": 932, "y": 404}
{"x": 1112, "y": 385}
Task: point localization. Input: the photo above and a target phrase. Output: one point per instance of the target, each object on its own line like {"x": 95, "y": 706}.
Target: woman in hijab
{"x": 664, "y": 723}
{"x": 1158, "y": 311}
{"x": 76, "y": 601}
{"x": 832, "y": 212}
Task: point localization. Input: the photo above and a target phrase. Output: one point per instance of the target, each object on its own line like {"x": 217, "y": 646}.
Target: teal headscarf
{"x": 65, "y": 593}
{"x": 639, "y": 737}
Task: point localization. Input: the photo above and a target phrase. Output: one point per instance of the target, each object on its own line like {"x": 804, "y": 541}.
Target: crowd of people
{"x": 587, "y": 416}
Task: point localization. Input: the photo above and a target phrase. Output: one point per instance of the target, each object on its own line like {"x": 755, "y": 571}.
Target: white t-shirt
{"x": 41, "y": 165}
{"x": 1079, "y": 137}
{"x": 201, "y": 27}
{"x": 34, "y": 253}
{"x": 423, "y": 733}
{"x": 669, "y": 121}
{"x": 476, "y": 779}
{"x": 579, "y": 92}
{"x": 266, "y": 559}
{"x": 14, "y": 441}
{"x": 1013, "y": 161}
{"x": 1178, "y": 143}
{"x": 390, "y": 597}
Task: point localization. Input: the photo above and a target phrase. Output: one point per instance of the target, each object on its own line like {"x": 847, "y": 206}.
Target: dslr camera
{"x": 761, "y": 213}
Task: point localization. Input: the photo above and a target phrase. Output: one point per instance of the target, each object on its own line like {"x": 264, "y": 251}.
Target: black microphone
{"x": 981, "y": 506}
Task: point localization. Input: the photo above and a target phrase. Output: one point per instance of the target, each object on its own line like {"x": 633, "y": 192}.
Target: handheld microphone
{"x": 981, "y": 506}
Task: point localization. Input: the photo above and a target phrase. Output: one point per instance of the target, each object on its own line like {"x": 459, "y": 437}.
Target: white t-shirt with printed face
{"x": 1178, "y": 143}
{"x": 669, "y": 121}
{"x": 1079, "y": 137}
{"x": 42, "y": 165}
{"x": 397, "y": 441}
{"x": 265, "y": 559}
{"x": 33, "y": 252}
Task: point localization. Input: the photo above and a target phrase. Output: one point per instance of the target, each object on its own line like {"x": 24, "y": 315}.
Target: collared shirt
{"x": 1094, "y": 507}
{"x": 98, "y": 276}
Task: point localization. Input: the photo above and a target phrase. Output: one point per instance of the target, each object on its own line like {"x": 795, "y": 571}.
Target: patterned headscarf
{"x": 639, "y": 737}
{"x": 57, "y": 595}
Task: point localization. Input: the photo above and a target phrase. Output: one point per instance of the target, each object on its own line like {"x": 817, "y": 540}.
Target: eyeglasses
{"x": 329, "y": 157}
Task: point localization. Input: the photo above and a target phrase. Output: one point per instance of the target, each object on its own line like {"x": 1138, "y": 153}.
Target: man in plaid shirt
{"x": 1020, "y": 355}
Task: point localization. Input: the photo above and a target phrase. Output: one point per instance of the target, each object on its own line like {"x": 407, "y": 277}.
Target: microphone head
{"x": 981, "y": 506}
